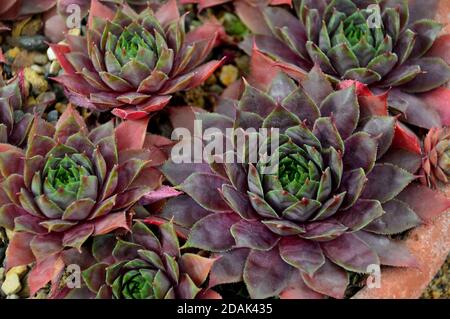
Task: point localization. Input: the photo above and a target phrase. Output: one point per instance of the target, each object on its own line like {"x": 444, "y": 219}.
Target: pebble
{"x": 12, "y": 297}
{"x": 51, "y": 55}
{"x": 55, "y": 67}
{"x": 2, "y": 273}
{"x": 12, "y": 284}
{"x": 9, "y": 234}
{"x": 75, "y": 31}
{"x": 38, "y": 69}
{"x": 36, "y": 81}
{"x": 18, "y": 270}
{"x": 228, "y": 74}
{"x": 40, "y": 58}
{"x": 33, "y": 43}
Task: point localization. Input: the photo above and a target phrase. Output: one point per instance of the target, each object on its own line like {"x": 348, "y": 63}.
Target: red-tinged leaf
{"x": 44, "y": 271}
{"x": 19, "y": 250}
{"x": 349, "y": 252}
{"x": 441, "y": 48}
{"x": 262, "y": 70}
{"x": 211, "y": 26}
{"x": 252, "y": 17}
{"x": 329, "y": 280}
{"x": 197, "y": 267}
{"x": 425, "y": 202}
{"x": 129, "y": 113}
{"x": 253, "y": 234}
{"x": 46, "y": 245}
{"x": 229, "y": 267}
{"x": 405, "y": 139}
{"x": 208, "y": 294}
{"x": 168, "y": 12}
{"x": 131, "y": 134}
{"x": 306, "y": 255}
{"x": 212, "y": 232}
{"x": 209, "y": 197}
{"x": 155, "y": 103}
{"x": 77, "y": 236}
{"x": 164, "y": 192}
{"x": 100, "y": 10}
{"x": 110, "y": 222}
{"x": 385, "y": 182}
{"x": 439, "y": 99}
{"x": 65, "y": 122}
{"x": 266, "y": 274}
{"x": 391, "y": 252}
{"x": 297, "y": 289}
{"x": 60, "y": 51}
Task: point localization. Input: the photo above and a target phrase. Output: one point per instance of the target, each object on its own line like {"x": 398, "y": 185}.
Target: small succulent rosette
{"x": 131, "y": 63}
{"x": 436, "y": 161}
{"x": 326, "y": 210}
{"x": 389, "y": 45}
{"x": 69, "y": 184}
{"x": 17, "y": 111}
{"x": 145, "y": 264}
{"x": 203, "y": 4}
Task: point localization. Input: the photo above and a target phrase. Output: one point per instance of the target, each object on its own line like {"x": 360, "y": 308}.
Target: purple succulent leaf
{"x": 184, "y": 211}
{"x": 266, "y": 274}
{"x": 360, "y": 152}
{"x": 306, "y": 255}
{"x": 434, "y": 73}
{"x": 380, "y": 128}
{"x": 239, "y": 202}
{"x": 329, "y": 280}
{"x": 212, "y": 232}
{"x": 362, "y": 213}
{"x": 178, "y": 173}
{"x": 324, "y": 230}
{"x": 349, "y": 252}
{"x": 229, "y": 268}
{"x": 391, "y": 252}
{"x": 256, "y": 101}
{"x": 385, "y": 182}
{"x": 209, "y": 197}
{"x": 327, "y": 133}
{"x": 397, "y": 219}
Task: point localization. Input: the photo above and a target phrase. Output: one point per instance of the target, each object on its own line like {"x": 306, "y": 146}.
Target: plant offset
{"x": 339, "y": 146}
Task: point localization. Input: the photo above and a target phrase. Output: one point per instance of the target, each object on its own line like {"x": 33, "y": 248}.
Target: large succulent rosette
{"x": 326, "y": 210}
{"x": 70, "y": 184}
{"x": 17, "y": 111}
{"x": 16, "y": 9}
{"x": 436, "y": 162}
{"x": 385, "y": 44}
{"x": 132, "y": 63}
{"x": 143, "y": 265}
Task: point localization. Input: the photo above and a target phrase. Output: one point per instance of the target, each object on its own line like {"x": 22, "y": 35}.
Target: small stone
{"x": 18, "y": 270}
{"x": 2, "y": 273}
{"x": 12, "y": 297}
{"x": 228, "y": 74}
{"x": 50, "y": 54}
{"x": 37, "y": 82}
{"x": 38, "y": 69}
{"x": 55, "y": 67}
{"x": 60, "y": 107}
{"x": 33, "y": 43}
{"x": 40, "y": 58}
{"x": 11, "y": 54}
{"x": 11, "y": 285}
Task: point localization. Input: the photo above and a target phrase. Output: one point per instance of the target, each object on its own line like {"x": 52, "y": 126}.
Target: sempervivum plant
{"x": 132, "y": 63}
{"x": 68, "y": 185}
{"x": 381, "y": 43}
{"x": 436, "y": 163}
{"x": 144, "y": 265}
{"x": 15, "y": 9}
{"x": 17, "y": 110}
{"x": 325, "y": 210}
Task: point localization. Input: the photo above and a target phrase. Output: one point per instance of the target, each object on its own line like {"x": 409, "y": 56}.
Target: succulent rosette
{"x": 385, "y": 44}
{"x": 17, "y": 111}
{"x": 16, "y": 9}
{"x": 436, "y": 163}
{"x": 328, "y": 207}
{"x": 70, "y": 184}
{"x": 132, "y": 63}
{"x": 144, "y": 265}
